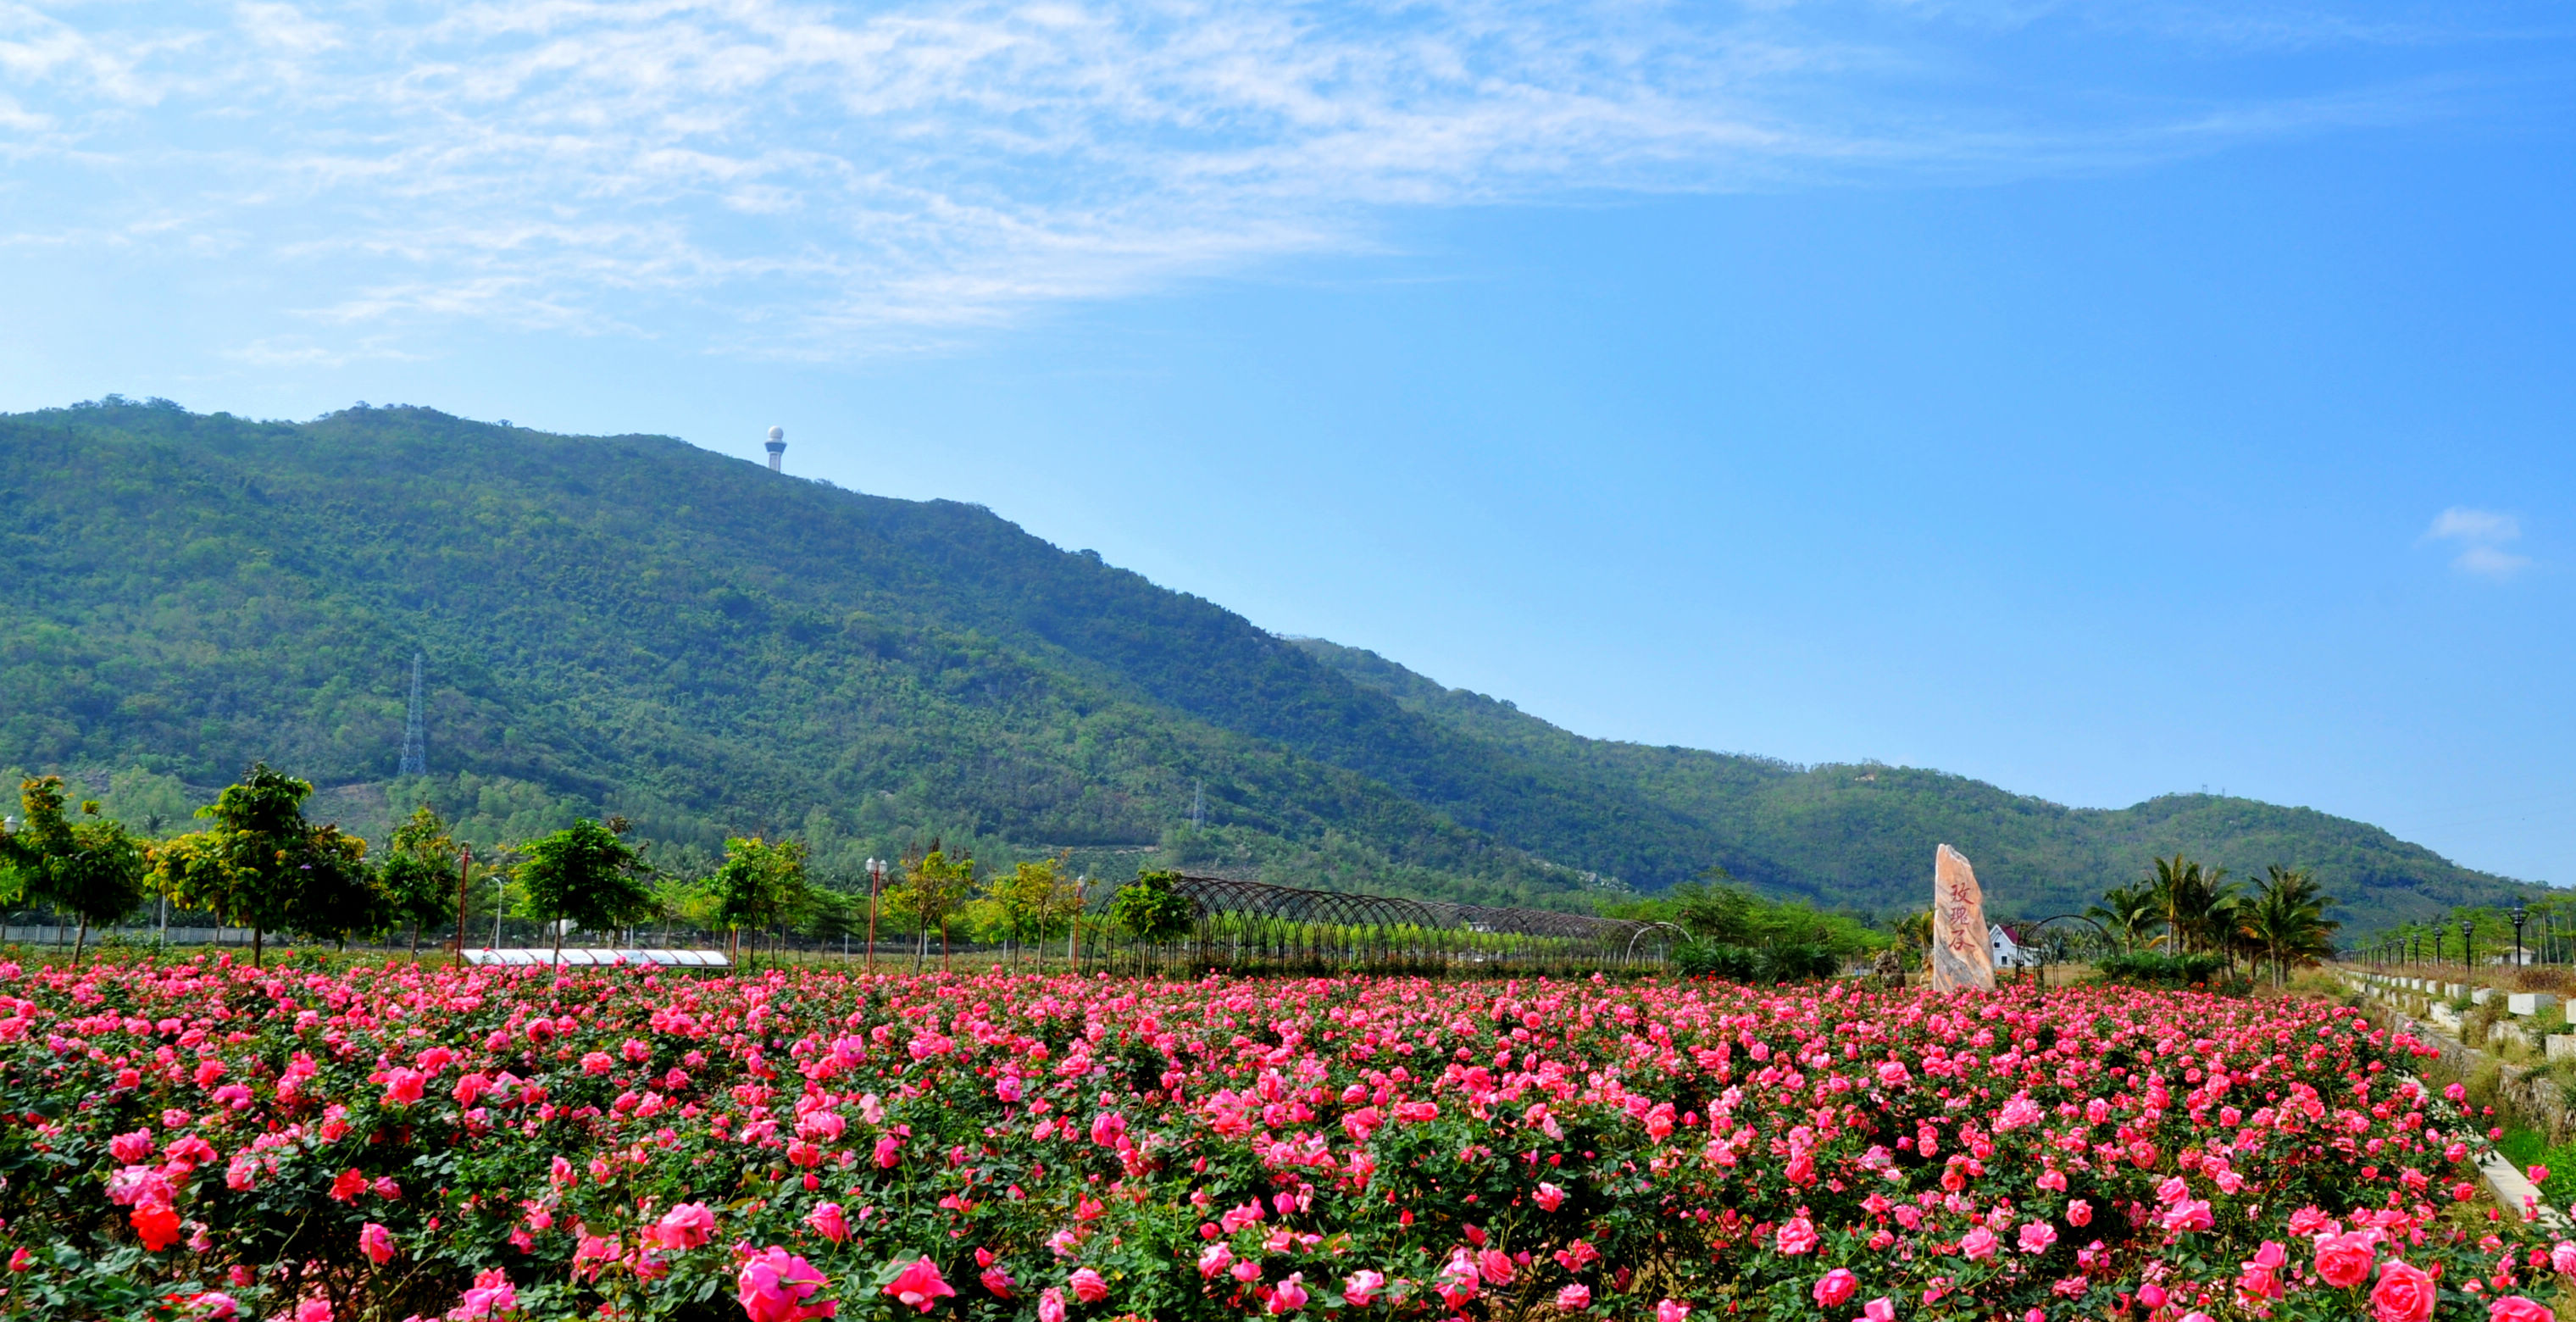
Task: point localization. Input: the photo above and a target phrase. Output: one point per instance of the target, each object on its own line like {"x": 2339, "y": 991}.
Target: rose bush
{"x": 181, "y": 1140}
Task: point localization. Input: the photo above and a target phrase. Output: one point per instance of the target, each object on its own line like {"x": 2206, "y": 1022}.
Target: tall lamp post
{"x": 2519, "y": 917}
{"x": 2437, "y": 943}
{"x": 464, "y": 869}
{"x": 876, "y": 880}
{"x": 2466, "y": 931}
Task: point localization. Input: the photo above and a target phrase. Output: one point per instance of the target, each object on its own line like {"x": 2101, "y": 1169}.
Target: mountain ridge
{"x": 631, "y": 624}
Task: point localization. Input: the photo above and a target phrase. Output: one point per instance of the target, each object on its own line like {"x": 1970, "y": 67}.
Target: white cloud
{"x": 2481, "y": 535}
{"x": 824, "y": 177}
{"x": 2485, "y": 526}
{"x": 2489, "y": 562}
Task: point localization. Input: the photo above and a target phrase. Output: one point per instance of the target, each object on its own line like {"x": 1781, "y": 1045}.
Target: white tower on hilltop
{"x": 777, "y": 446}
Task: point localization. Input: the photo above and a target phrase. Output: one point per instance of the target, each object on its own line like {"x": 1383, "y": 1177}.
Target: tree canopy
{"x": 261, "y": 865}
{"x": 586, "y": 875}
{"x": 91, "y": 867}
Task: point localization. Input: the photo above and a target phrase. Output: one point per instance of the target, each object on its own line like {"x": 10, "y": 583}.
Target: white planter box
{"x": 2530, "y": 1003}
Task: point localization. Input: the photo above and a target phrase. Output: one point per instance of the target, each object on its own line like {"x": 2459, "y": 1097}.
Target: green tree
{"x": 264, "y": 867}
{"x": 1035, "y": 900}
{"x": 933, "y": 888}
{"x": 1152, "y": 910}
{"x": 584, "y": 874}
{"x": 2128, "y": 913}
{"x": 89, "y": 868}
{"x": 2286, "y": 922}
{"x": 2196, "y": 904}
{"x": 418, "y": 878}
{"x": 760, "y": 884}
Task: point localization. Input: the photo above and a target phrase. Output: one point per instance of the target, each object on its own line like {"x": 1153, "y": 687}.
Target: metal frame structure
{"x": 585, "y": 956}
{"x": 2052, "y": 947}
{"x": 1243, "y": 922}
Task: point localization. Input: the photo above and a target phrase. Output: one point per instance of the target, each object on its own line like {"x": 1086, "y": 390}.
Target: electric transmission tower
{"x": 415, "y": 755}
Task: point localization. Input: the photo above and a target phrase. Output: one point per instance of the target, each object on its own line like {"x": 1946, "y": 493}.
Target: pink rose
{"x": 377, "y": 1243}
{"x": 1881, "y": 1309}
{"x": 919, "y": 1285}
{"x": 2343, "y": 1261}
{"x": 2078, "y": 1212}
{"x": 2562, "y": 1258}
{"x": 2036, "y": 1236}
{"x": 1577, "y": 1297}
{"x": 2515, "y": 1308}
{"x": 1548, "y": 1197}
{"x": 491, "y": 1296}
{"x": 2188, "y": 1215}
{"x": 2261, "y": 1275}
{"x": 684, "y": 1227}
{"x": 1360, "y": 1290}
{"x": 1672, "y": 1310}
{"x": 997, "y": 1282}
{"x": 1215, "y": 1258}
{"x": 131, "y": 1149}
{"x": 1978, "y": 1244}
{"x": 1051, "y": 1305}
{"x": 2404, "y": 1294}
{"x": 1290, "y": 1296}
{"x": 828, "y": 1221}
{"x": 1835, "y": 1287}
{"x": 775, "y": 1286}
{"x": 1088, "y": 1287}
{"x": 1797, "y": 1237}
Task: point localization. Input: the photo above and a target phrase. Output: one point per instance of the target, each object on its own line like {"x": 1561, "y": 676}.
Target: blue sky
{"x": 2098, "y": 399}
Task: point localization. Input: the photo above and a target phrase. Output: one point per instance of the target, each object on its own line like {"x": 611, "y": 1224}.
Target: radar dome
{"x": 778, "y": 433}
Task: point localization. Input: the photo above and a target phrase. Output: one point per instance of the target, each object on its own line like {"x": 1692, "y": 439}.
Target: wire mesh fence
{"x": 1251, "y": 926}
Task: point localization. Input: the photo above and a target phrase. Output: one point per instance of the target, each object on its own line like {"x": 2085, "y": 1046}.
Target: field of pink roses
{"x": 203, "y": 1140}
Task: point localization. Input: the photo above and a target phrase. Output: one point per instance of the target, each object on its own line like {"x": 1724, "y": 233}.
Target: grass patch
{"x": 2527, "y": 1148}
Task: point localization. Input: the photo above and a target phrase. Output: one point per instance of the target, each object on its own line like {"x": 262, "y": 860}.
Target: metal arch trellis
{"x": 2052, "y": 946}
{"x": 1241, "y": 920}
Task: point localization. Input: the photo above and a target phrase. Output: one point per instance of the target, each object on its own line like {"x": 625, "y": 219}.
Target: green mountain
{"x": 632, "y": 625}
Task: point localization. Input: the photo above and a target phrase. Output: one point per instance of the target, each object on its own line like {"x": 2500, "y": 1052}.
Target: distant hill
{"x": 1853, "y": 835}
{"x": 630, "y": 624}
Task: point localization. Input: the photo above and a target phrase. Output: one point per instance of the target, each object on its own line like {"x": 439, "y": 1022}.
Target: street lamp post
{"x": 876, "y": 879}
{"x": 464, "y": 870}
{"x": 2519, "y": 916}
{"x": 2466, "y": 930}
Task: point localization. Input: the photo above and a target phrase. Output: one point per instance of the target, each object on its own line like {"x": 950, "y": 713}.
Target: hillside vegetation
{"x": 632, "y": 625}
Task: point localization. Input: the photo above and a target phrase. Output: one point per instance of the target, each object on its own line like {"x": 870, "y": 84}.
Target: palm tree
{"x": 2286, "y": 920}
{"x": 2194, "y": 903}
{"x": 2127, "y": 913}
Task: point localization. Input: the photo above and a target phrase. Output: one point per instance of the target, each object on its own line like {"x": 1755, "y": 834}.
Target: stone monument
{"x": 1960, "y": 956}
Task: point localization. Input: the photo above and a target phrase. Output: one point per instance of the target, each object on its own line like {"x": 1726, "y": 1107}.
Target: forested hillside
{"x": 633, "y": 625}
{"x": 1852, "y": 834}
